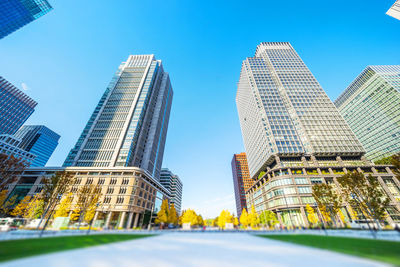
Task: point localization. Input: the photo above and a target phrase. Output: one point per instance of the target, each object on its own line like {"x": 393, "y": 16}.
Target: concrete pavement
{"x": 196, "y": 249}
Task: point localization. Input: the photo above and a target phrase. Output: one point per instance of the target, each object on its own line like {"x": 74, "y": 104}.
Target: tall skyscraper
{"x": 129, "y": 125}
{"x": 284, "y": 111}
{"x": 10, "y": 145}
{"x": 15, "y": 107}
{"x": 172, "y": 182}
{"x": 15, "y": 14}
{"x": 241, "y": 180}
{"x": 38, "y": 140}
{"x": 394, "y": 11}
{"x": 371, "y": 107}
{"x": 295, "y": 137}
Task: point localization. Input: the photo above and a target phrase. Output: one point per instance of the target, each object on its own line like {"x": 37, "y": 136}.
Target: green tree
{"x": 172, "y": 215}
{"x": 365, "y": 194}
{"x": 268, "y": 218}
{"x": 328, "y": 201}
{"x": 162, "y": 215}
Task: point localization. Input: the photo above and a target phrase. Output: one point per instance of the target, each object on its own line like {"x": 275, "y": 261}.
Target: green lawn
{"x": 15, "y": 249}
{"x": 380, "y": 250}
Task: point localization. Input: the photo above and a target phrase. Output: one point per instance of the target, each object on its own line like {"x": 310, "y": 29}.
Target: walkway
{"x": 196, "y": 249}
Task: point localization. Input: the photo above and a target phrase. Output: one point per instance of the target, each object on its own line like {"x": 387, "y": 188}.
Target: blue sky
{"x": 65, "y": 60}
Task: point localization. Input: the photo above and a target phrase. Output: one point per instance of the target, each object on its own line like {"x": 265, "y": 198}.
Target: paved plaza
{"x": 196, "y": 249}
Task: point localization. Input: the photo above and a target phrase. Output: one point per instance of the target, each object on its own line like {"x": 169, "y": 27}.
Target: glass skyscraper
{"x": 15, "y": 107}
{"x": 129, "y": 125}
{"x": 38, "y": 140}
{"x": 371, "y": 106}
{"x": 284, "y": 112}
{"x": 241, "y": 180}
{"x": 15, "y": 14}
{"x": 172, "y": 182}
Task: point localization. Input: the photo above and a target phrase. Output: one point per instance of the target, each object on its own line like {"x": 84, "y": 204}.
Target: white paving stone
{"x": 196, "y": 249}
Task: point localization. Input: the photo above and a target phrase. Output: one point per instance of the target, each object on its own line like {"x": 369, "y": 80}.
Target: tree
{"x": 87, "y": 198}
{"x": 396, "y": 163}
{"x": 64, "y": 207}
{"x": 244, "y": 218}
{"x": 10, "y": 168}
{"x": 35, "y": 208}
{"x": 235, "y": 221}
{"x": 20, "y": 209}
{"x": 268, "y": 218}
{"x": 8, "y": 205}
{"x": 328, "y": 201}
{"x": 189, "y": 216}
{"x": 75, "y": 214}
{"x": 162, "y": 215}
{"x": 224, "y": 218}
{"x": 172, "y": 215}
{"x": 254, "y": 220}
{"x": 3, "y": 196}
{"x": 311, "y": 216}
{"x": 365, "y": 194}
{"x": 200, "y": 221}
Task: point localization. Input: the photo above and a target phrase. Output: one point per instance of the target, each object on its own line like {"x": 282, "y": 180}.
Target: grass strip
{"x": 380, "y": 250}
{"x": 16, "y": 249}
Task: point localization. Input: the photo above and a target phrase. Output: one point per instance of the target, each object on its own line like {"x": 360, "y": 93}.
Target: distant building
{"x": 15, "y": 107}
{"x": 15, "y": 14}
{"x": 10, "y": 145}
{"x": 241, "y": 180}
{"x": 371, "y": 107}
{"x": 394, "y": 11}
{"x": 172, "y": 182}
{"x": 129, "y": 125}
{"x": 39, "y": 140}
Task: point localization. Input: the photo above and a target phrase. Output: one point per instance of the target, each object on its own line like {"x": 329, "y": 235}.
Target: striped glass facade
{"x": 284, "y": 111}
{"x": 15, "y": 107}
{"x": 38, "y": 140}
{"x": 15, "y": 14}
{"x": 371, "y": 107}
{"x": 129, "y": 125}
{"x": 394, "y": 11}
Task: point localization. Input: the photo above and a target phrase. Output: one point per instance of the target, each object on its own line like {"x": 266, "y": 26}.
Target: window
{"x": 120, "y": 200}
{"x": 107, "y": 200}
{"x": 113, "y": 181}
{"x": 110, "y": 190}
{"x": 301, "y": 180}
{"x": 316, "y": 180}
{"x": 101, "y": 181}
{"x": 304, "y": 190}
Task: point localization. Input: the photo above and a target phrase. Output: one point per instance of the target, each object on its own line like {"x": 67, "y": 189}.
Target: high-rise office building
{"x": 15, "y": 107}
{"x": 38, "y": 140}
{"x": 295, "y": 137}
{"x": 15, "y": 14}
{"x": 371, "y": 107}
{"x": 394, "y": 11}
{"x": 172, "y": 182}
{"x": 129, "y": 125}
{"x": 241, "y": 180}
{"x": 10, "y": 145}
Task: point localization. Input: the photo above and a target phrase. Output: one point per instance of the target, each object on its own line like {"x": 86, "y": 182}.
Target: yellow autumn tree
{"x": 92, "y": 206}
{"x": 75, "y": 214}
{"x": 162, "y": 215}
{"x": 224, "y": 218}
{"x": 199, "y": 221}
{"x": 64, "y": 207}
{"x": 254, "y": 220}
{"x": 244, "y": 218}
{"x": 172, "y": 215}
{"x": 325, "y": 214}
{"x": 19, "y": 210}
{"x": 3, "y": 196}
{"x": 236, "y": 221}
{"x": 35, "y": 208}
{"x": 311, "y": 216}
{"x": 189, "y": 216}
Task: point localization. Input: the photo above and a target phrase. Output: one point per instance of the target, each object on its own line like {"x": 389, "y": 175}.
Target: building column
{"x": 95, "y": 216}
{"x": 135, "y": 224}
{"x": 122, "y": 219}
{"x": 130, "y": 219}
{"x": 107, "y": 223}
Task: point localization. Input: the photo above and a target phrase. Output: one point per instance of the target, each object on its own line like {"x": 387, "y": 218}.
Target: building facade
{"x": 10, "y": 145}
{"x": 15, "y": 107}
{"x": 38, "y": 140}
{"x": 241, "y": 180}
{"x": 15, "y": 14}
{"x": 130, "y": 197}
{"x": 129, "y": 124}
{"x": 294, "y": 136}
{"x": 173, "y": 183}
{"x": 371, "y": 107}
{"x": 394, "y": 11}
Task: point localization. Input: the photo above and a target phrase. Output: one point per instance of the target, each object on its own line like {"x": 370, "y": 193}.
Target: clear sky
{"x": 65, "y": 60}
